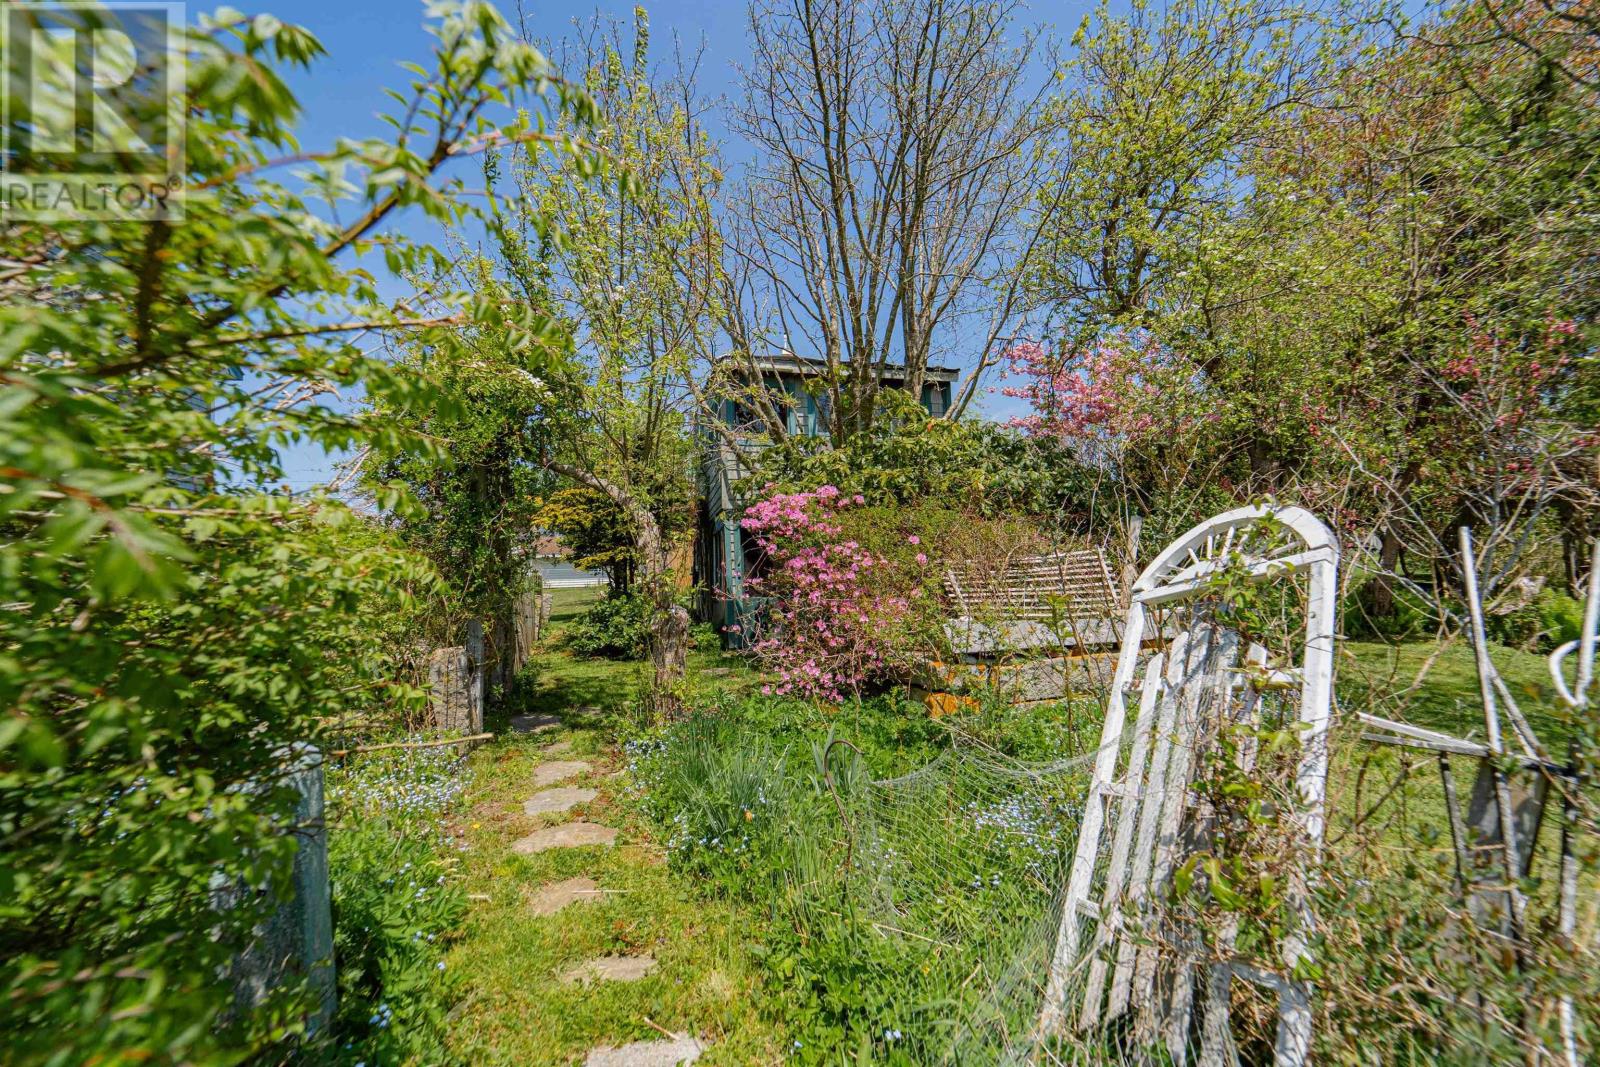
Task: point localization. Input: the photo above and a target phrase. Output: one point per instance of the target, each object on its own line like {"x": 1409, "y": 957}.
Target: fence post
{"x": 451, "y": 682}
{"x": 475, "y": 674}
{"x": 297, "y": 937}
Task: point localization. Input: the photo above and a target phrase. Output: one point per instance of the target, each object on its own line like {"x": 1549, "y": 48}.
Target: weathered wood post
{"x": 451, "y": 686}
{"x": 475, "y": 670}
{"x": 296, "y": 940}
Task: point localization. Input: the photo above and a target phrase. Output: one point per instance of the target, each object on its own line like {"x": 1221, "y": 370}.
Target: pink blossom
{"x": 826, "y": 630}
{"x": 1108, "y": 390}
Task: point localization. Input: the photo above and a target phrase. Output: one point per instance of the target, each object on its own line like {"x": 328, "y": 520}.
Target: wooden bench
{"x": 1033, "y": 627}
{"x": 1061, "y": 600}
{"x": 1036, "y": 588}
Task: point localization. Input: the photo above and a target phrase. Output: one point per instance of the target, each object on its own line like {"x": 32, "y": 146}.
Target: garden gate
{"x": 1116, "y": 919}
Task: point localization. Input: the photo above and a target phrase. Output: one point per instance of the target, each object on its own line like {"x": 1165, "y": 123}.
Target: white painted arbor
{"x": 1140, "y": 795}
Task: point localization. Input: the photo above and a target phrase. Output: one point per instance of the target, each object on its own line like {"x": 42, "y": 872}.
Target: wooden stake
{"x": 412, "y": 744}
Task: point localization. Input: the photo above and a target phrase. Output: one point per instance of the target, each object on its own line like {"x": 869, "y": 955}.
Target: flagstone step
{"x": 549, "y": 801}
{"x": 661, "y": 1053}
{"x": 534, "y": 724}
{"x": 558, "y": 771}
{"x": 566, "y": 835}
{"x": 610, "y": 969}
{"x": 552, "y": 898}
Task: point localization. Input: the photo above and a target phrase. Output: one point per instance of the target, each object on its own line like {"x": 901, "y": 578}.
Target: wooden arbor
{"x": 1140, "y": 793}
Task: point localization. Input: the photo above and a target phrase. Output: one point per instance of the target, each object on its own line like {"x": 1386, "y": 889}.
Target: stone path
{"x": 534, "y": 724}
{"x": 550, "y": 801}
{"x": 553, "y": 799}
{"x": 610, "y": 969}
{"x": 566, "y": 835}
{"x": 664, "y": 1053}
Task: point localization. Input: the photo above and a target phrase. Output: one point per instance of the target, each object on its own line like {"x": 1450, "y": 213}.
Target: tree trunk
{"x": 1381, "y": 599}
{"x": 668, "y": 643}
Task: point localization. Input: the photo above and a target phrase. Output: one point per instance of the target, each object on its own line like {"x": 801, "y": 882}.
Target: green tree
{"x": 1357, "y": 255}
{"x": 629, "y": 273}
{"x": 479, "y": 483}
{"x": 169, "y": 622}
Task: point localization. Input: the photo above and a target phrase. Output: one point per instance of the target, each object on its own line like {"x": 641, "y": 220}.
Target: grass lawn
{"x": 515, "y": 1009}
{"x": 1421, "y": 684}
{"x": 1394, "y": 798}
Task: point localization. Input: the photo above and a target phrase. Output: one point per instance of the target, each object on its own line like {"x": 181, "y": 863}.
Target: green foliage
{"x": 1409, "y": 618}
{"x": 616, "y": 627}
{"x": 1551, "y": 619}
{"x": 476, "y": 489}
{"x": 396, "y": 901}
{"x": 741, "y": 793}
{"x": 910, "y": 458}
{"x": 754, "y": 821}
{"x": 391, "y": 915}
{"x": 179, "y": 708}
{"x": 623, "y": 273}
{"x": 599, "y": 533}
{"x": 171, "y": 624}
{"x": 594, "y": 529}
{"x": 1231, "y": 173}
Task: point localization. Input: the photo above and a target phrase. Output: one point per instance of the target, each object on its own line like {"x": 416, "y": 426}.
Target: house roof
{"x": 789, "y": 363}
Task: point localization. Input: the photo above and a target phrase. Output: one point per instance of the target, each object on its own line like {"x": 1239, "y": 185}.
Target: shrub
{"x": 1412, "y": 616}
{"x": 852, "y": 589}
{"x": 841, "y": 613}
{"x": 396, "y": 899}
{"x": 907, "y": 458}
{"x": 1551, "y": 619}
{"x": 614, "y": 628}
{"x": 181, "y": 711}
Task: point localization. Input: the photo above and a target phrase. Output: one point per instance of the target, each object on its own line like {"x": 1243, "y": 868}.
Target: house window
{"x": 747, "y": 420}
{"x": 822, "y": 421}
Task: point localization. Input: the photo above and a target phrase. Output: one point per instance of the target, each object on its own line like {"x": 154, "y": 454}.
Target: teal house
{"x": 724, "y": 556}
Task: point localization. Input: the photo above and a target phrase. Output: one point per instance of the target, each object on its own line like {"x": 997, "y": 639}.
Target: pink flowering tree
{"x": 837, "y": 611}
{"x": 1106, "y": 393}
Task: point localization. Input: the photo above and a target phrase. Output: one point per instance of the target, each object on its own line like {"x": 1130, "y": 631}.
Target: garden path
{"x": 580, "y": 946}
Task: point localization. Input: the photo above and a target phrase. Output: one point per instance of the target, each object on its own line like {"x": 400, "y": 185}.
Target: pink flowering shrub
{"x": 1105, "y": 391}
{"x": 838, "y": 612}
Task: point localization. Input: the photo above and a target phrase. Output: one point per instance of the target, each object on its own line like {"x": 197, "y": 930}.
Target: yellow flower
{"x": 749, "y": 816}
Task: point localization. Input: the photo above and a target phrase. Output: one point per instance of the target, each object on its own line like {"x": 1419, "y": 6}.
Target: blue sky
{"x": 366, "y": 41}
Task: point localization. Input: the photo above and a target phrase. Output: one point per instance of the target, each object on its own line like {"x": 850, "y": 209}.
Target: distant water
{"x": 558, "y": 574}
